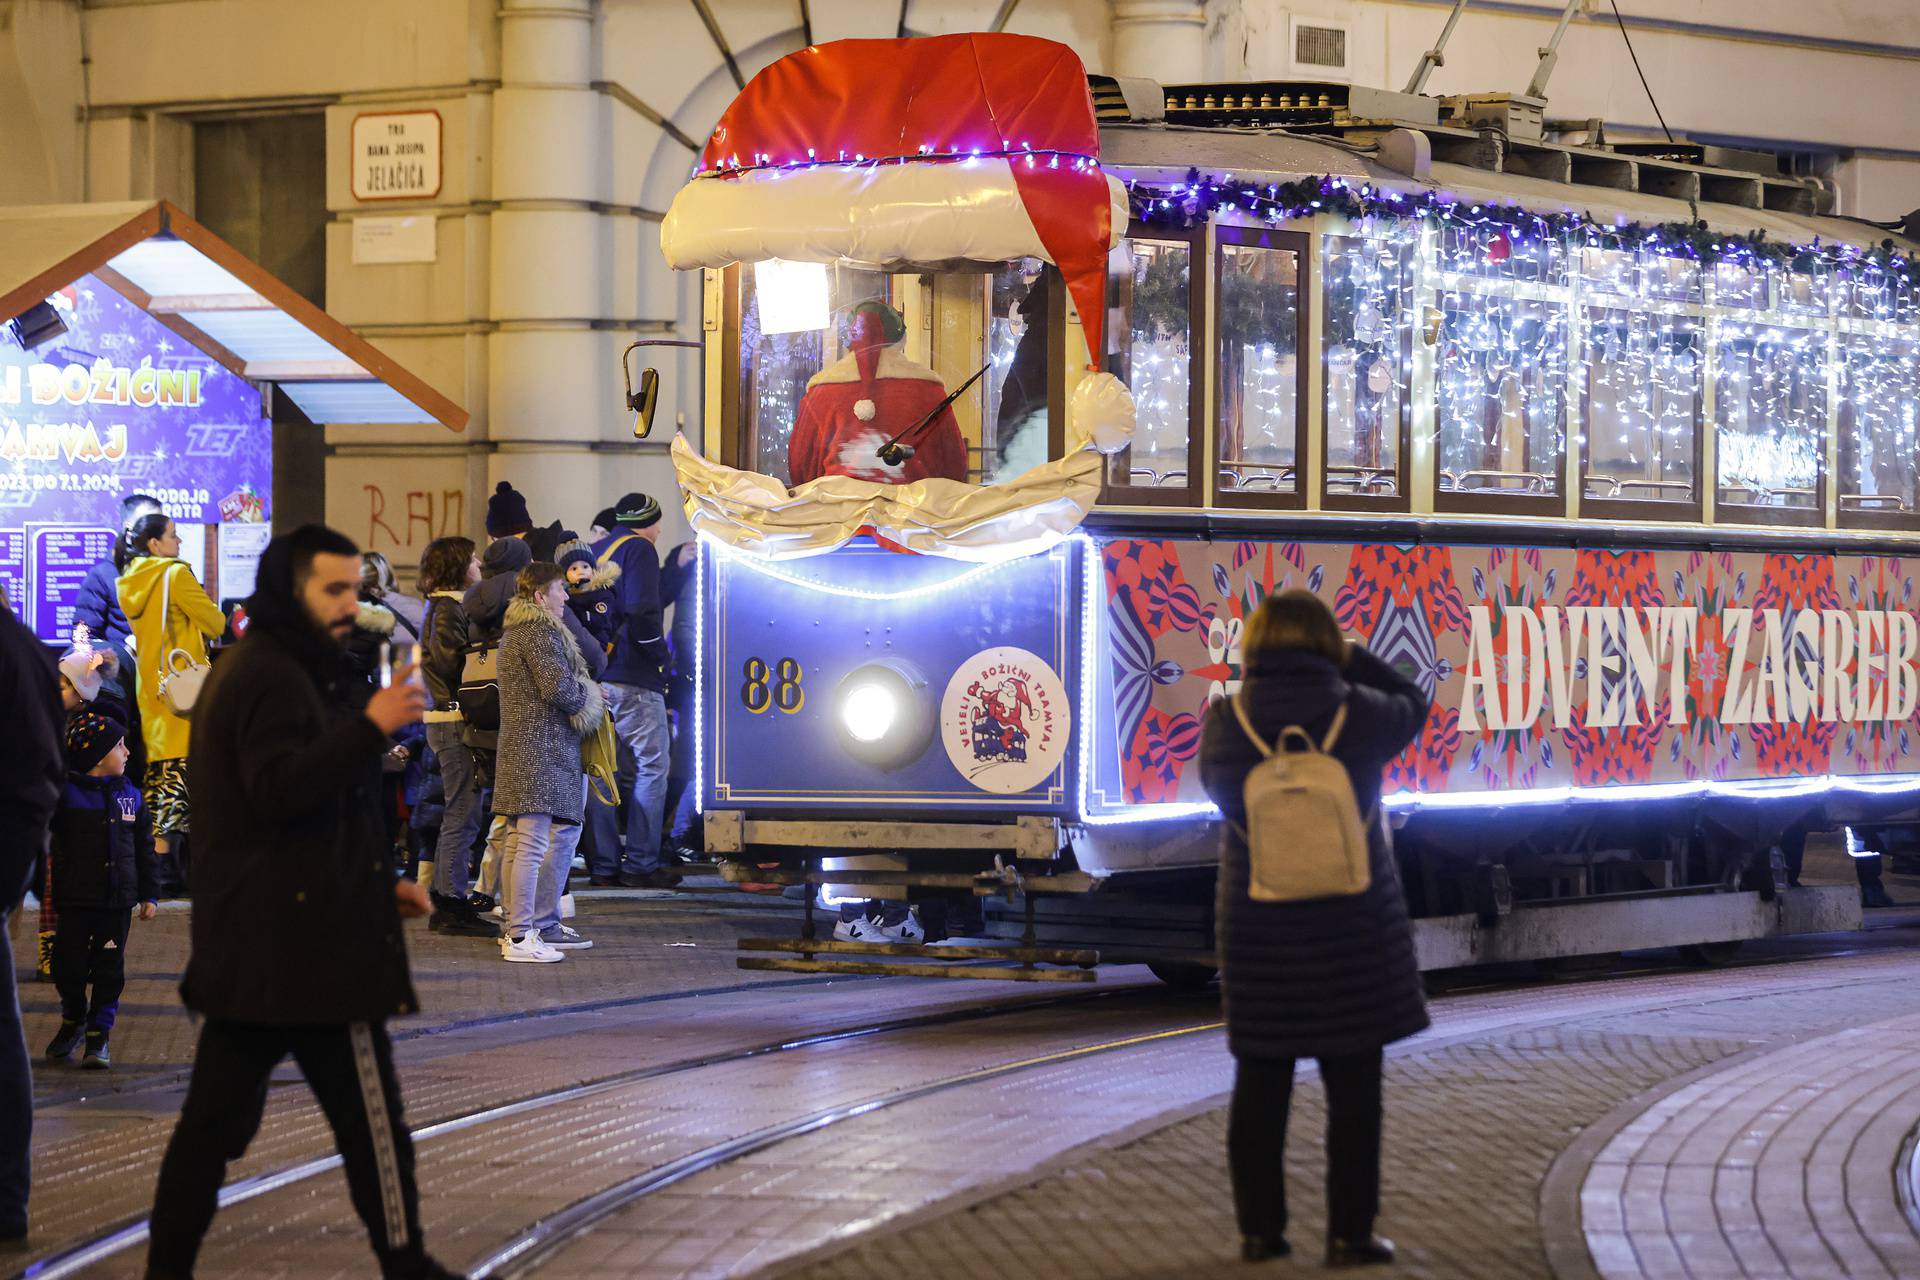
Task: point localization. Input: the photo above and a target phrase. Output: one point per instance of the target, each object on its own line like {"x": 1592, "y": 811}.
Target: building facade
{"x": 476, "y": 185}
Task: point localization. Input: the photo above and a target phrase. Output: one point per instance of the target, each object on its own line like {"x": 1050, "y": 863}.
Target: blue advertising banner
{"x": 118, "y": 404}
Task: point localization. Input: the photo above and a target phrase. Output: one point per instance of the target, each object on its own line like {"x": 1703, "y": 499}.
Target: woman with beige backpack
{"x": 1316, "y": 952}
{"x": 172, "y": 618}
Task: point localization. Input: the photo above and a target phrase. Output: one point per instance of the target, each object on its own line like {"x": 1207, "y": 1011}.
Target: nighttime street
{"x": 995, "y": 639}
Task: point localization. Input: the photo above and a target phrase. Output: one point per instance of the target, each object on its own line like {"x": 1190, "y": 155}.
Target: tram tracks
{"x": 545, "y": 1238}
{"x": 129, "y": 1233}
{"x": 1489, "y": 1008}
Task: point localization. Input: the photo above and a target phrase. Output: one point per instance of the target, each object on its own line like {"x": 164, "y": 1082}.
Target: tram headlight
{"x": 884, "y": 713}
{"x": 869, "y": 711}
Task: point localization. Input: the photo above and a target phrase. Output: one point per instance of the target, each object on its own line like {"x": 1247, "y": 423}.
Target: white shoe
{"x": 561, "y": 938}
{"x": 868, "y": 929}
{"x": 566, "y": 906}
{"x": 529, "y": 950}
{"x": 861, "y": 930}
{"x": 907, "y": 930}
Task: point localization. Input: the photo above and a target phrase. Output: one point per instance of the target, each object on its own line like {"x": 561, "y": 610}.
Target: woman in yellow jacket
{"x": 153, "y": 572}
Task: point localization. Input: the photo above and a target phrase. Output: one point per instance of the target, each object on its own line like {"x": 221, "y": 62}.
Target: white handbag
{"x": 181, "y": 677}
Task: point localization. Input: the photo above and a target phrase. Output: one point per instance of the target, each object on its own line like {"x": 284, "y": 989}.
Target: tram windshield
{"x": 803, "y": 328}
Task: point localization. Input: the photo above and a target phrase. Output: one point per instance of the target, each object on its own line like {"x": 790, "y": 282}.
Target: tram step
{"x": 894, "y": 969}
{"x": 894, "y": 959}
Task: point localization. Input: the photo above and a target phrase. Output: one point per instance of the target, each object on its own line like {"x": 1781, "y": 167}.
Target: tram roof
{"x": 1169, "y": 152}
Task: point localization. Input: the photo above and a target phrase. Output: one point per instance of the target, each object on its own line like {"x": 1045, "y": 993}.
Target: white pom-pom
{"x": 863, "y": 410}
{"x": 1100, "y": 413}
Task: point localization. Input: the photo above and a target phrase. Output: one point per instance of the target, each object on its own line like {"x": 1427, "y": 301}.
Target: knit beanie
{"x": 90, "y": 735}
{"x": 507, "y": 512}
{"x": 505, "y": 555}
{"x": 637, "y": 511}
{"x": 605, "y": 519}
{"x": 572, "y": 552}
{"x": 86, "y": 667}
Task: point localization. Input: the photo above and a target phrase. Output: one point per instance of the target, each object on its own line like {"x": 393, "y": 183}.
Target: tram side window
{"x": 1500, "y": 395}
{"x": 1149, "y": 337}
{"x": 1870, "y": 292}
{"x": 1367, "y": 352}
{"x": 1643, "y": 405}
{"x": 1013, "y": 424}
{"x": 792, "y": 325}
{"x": 1879, "y": 435}
{"x": 1770, "y": 411}
{"x": 1258, "y": 387}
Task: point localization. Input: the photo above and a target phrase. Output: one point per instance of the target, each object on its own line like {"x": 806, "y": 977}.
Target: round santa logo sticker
{"x": 1005, "y": 720}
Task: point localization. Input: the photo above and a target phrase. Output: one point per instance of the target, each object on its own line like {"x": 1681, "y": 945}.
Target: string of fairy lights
{"x": 1520, "y": 297}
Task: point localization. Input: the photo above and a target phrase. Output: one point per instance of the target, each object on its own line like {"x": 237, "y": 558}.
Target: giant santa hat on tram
{"x": 935, "y": 149}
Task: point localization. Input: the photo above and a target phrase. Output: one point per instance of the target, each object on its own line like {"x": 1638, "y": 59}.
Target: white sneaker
{"x": 561, "y": 938}
{"x": 529, "y": 950}
{"x": 868, "y": 929}
{"x": 907, "y": 930}
{"x": 566, "y": 906}
{"x": 861, "y": 930}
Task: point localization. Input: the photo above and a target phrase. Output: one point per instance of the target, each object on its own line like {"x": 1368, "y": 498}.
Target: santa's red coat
{"x": 831, "y": 437}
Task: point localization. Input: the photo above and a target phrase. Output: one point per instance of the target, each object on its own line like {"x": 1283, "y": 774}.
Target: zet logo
{"x": 1005, "y": 720}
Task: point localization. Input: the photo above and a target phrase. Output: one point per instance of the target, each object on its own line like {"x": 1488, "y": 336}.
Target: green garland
{"x": 1193, "y": 202}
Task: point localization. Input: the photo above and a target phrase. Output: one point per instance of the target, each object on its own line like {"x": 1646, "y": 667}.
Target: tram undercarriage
{"x": 1053, "y": 901}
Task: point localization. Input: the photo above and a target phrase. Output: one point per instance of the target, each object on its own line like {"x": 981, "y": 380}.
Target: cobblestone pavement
{"x": 1476, "y": 1120}
{"x": 1102, "y": 1166}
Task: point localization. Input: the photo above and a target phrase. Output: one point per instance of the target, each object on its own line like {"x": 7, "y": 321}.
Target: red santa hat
{"x": 975, "y": 147}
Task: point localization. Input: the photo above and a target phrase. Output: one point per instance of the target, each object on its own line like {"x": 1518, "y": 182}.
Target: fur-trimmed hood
{"x": 604, "y": 576}
{"x": 523, "y": 611}
{"x": 374, "y": 617}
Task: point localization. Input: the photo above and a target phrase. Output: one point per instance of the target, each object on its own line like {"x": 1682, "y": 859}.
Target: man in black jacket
{"x": 297, "y": 944}
{"x": 30, "y": 772}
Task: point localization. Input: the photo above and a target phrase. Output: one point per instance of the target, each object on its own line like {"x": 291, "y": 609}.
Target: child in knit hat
{"x": 590, "y": 590}
{"x": 103, "y": 870}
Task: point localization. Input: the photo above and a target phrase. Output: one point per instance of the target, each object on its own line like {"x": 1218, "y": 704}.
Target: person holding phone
{"x": 298, "y": 948}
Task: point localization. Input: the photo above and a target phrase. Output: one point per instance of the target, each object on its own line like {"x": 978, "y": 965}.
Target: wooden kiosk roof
{"x": 216, "y": 298}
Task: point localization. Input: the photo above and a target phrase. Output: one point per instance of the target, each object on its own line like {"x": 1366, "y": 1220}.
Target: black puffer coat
{"x": 1335, "y": 975}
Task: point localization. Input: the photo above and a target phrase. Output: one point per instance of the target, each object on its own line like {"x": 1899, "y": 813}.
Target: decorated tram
{"x": 1022, "y": 390}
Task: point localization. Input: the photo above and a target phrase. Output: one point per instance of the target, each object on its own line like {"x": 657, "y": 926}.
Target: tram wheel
{"x": 1183, "y": 975}
{"x": 1710, "y": 955}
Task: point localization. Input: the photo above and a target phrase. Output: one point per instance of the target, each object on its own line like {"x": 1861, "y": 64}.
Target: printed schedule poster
{"x": 58, "y": 557}
{"x": 13, "y": 569}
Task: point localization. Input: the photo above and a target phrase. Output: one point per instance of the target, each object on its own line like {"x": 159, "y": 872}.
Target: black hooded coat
{"x": 1333, "y": 975}
{"x": 294, "y": 918}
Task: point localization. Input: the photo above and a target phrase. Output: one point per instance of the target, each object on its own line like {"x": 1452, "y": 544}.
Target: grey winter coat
{"x": 1333, "y": 975}
{"x": 548, "y": 703}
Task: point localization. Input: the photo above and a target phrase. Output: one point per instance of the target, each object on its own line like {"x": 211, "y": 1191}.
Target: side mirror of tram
{"x": 643, "y": 403}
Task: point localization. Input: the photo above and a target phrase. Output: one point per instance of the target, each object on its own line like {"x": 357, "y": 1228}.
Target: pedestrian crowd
{"x": 361, "y": 755}
{"x": 350, "y": 753}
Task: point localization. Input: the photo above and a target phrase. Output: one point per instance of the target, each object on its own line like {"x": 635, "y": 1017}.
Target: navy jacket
{"x": 640, "y": 653}
{"x": 1333, "y": 975}
{"x": 679, "y": 590}
{"x": 102, "y": 846}
{"x": 98, "y": 605}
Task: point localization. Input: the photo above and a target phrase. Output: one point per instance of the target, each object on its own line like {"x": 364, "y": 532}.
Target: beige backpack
{"x": 1305, "y": 836}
